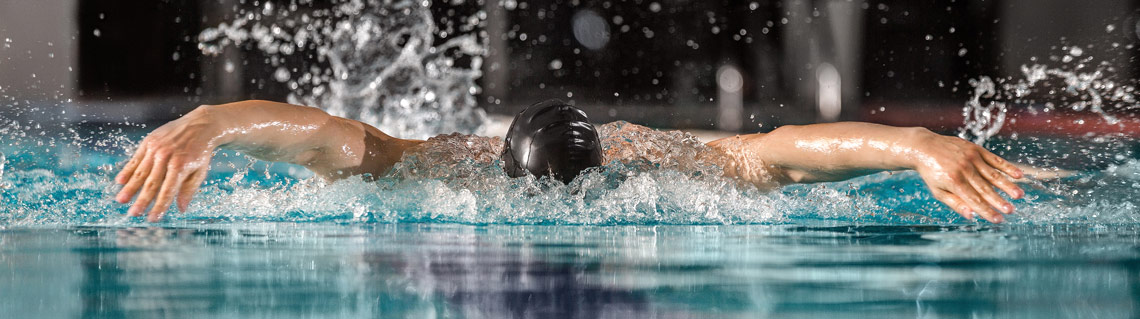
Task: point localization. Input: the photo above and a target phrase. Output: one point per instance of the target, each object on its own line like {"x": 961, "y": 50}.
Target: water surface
{"x": 289, "y": 270}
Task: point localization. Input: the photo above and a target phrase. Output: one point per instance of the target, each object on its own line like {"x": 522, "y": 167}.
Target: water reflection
{"x": 433, "y": 270}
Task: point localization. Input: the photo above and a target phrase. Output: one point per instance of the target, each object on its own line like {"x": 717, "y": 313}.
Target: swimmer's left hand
{"x": 963, "y": 175}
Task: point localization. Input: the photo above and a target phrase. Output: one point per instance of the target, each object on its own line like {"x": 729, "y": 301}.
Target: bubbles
{"x": 555, "y": 64}
{"x": 654, "y": 7}
{"x": 962, "y": 52}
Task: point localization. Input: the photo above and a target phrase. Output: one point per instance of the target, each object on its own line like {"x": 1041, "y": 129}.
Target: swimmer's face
{"x": 551, "y": 138}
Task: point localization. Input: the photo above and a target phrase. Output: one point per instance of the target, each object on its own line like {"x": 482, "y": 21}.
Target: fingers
{"x": 999, "y": 179}
{"x": 976, "y": 203}
{"x": 131, "y": 165}
{"x": 137, "y": 177}
{"x": 1001, "y": 164}
{"x": 986, "y": 190}
{"x": 189, "y": 187}
{"x": 159, "y": 180}
{"x": 957, "y": 204}
{"x": 166, "y": 192}
{"x": 150, "y": 187}
{"x": 966, "y": 179}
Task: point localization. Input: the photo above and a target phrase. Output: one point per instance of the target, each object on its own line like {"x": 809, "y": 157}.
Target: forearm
{"x": 265, "y": 130}
{"x": 328, "y": 145}
{"x": 823, "y": 152}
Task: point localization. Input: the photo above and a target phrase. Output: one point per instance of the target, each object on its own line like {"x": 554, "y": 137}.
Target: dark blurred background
{"x": 738, "y": 66}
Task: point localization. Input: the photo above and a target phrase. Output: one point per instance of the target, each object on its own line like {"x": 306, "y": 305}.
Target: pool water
{"x": 291, "y": 270}
{"x": 265, "y": 241}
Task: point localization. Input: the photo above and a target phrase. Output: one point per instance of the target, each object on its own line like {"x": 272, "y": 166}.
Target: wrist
{"x": 210, "y": 123}
{"x": 916, "y": 141}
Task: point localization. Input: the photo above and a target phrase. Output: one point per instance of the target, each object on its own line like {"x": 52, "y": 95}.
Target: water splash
{"x": 378, "y": 61}
{"x": 982, "y": 119}
{"x": 1078, "y": 85}
{"x": 3, "y": 162}
{"x": 372, "y": 60}
{"x": 470, "y": 188}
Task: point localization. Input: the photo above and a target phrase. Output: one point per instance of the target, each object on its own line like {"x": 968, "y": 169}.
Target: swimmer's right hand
{"x": 171, "y": 161}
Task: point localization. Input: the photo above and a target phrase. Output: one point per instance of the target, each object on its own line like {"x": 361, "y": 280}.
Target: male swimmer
{"x": 556, "y": 139}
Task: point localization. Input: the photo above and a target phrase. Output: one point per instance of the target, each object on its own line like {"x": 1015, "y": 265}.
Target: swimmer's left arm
{"x": 961, "y": 174}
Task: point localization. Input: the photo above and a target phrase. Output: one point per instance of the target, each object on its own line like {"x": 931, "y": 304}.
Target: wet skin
{"x": 172, "y": 161}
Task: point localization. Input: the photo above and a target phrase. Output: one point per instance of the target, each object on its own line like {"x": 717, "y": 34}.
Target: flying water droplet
{"x": 282, "y": 75}
{"x": 1076, "y": 51}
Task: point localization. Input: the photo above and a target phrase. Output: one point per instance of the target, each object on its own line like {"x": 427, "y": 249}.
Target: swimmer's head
{"x": 551, "y": 138}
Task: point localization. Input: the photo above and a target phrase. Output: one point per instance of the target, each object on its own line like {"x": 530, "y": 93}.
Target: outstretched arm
{"x": 959, "y": 173}
{"x": 173, "y": 159}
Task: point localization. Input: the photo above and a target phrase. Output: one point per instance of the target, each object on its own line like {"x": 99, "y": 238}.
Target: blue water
{"x": 265, "y": 241}
{"x": 292, "y": 270}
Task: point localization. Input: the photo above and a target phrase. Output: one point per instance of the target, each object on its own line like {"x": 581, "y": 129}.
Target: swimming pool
{"x": 264, "y": 241}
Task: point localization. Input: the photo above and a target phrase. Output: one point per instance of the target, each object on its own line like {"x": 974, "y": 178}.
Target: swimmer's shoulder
{"x": 456, "y": 147}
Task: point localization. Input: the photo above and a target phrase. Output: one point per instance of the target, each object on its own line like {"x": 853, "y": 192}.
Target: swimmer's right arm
{"x": 172, "y": 161}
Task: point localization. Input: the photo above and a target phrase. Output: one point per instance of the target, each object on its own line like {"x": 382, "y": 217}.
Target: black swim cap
{"x": 551, "y": 138}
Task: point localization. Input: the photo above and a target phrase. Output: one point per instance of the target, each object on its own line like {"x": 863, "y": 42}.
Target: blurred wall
{"x": 661, "y": 62}
{"x": 38, "y": 50}
{"x": 1040, "y": 28}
